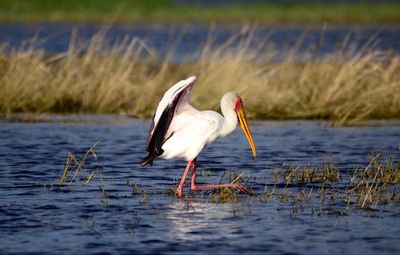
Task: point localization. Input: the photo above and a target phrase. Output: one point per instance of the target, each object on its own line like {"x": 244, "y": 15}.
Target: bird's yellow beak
{"x": 243, "y": 124}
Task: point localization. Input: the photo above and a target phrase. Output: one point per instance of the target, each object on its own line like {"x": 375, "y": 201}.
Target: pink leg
{"x": 182, "y": 182}
{"x": 194, "y": 186}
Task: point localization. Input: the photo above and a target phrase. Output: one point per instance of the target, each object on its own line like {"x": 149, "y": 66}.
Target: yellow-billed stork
{"x": 179, "y": 130}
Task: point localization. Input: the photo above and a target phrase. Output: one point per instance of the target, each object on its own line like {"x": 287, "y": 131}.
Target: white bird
{"x": 179, "y": 130}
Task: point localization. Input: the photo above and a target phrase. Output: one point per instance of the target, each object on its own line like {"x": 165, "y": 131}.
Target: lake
{"x": 186, "y": 40}
{"x": 109, "y": 215}
{"x": 129, "y": 209}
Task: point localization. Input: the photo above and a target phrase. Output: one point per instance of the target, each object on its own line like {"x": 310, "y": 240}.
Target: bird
{"x": 178, "y": 130}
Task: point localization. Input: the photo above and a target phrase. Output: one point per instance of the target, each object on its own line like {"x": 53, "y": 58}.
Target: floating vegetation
{"x": 363, "y": 188}
{"x": 375, "y": 184}
{"x": 306, "y": 174}
{"x": 136, "y": 190}
{"x": 228, "y": 195}
{"x": 324, "y": 188}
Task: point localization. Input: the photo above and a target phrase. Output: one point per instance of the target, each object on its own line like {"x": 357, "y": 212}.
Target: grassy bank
{"x": 167, "y": 10}
{"x": 130, "y": 77}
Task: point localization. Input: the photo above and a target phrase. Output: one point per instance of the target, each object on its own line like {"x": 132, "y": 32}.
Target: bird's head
{"x": 241, "y": 115}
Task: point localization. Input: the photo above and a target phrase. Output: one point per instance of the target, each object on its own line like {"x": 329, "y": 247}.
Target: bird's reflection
{"x": 199, "y": 220}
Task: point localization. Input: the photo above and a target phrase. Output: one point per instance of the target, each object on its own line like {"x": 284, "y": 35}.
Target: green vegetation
{"x": 362, "y": 188}
{"x": 76, "y": 164}
{"x": 322, "y": 187}
{"x": 129, "y": 77}
{"x": 167, "y": 10}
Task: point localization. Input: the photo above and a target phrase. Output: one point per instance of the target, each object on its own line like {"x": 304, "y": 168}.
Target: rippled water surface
{"x": 106, "y": 216}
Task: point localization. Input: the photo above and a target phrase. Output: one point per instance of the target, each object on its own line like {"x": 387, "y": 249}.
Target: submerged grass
{"x": 371, "y": 188}
{"x": 226, "y": 195}
{"x": 372, "y": 185}
{"x": 76, "y": 164}
{"x": 362, "y": 188}
{"x": 322, "y": 188}
{"x": 298, "y": 175}
{"x": 129, "y": 77}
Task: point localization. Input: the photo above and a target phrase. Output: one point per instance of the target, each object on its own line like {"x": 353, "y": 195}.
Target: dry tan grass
{"x": 129, "y": 77}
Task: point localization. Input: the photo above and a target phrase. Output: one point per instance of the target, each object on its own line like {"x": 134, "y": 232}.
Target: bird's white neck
{"x": 230, "y": 119}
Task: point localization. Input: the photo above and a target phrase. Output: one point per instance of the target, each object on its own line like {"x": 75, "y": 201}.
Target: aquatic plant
{"x": 76, "y": 164}
{"x": 374, "y": 185}
{"x": 362, "y": 188}
{"x": 326, "y": 173}
{"x": 323, "y": 188}
{"x": 224, "y": 194}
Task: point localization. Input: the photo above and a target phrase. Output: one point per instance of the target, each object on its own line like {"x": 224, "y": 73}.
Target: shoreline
{"x": 124, "y": 118}
{"x": 166, "y": 11}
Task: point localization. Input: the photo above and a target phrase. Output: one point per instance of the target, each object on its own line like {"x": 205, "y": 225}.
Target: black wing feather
{"x": 155, "y": 142}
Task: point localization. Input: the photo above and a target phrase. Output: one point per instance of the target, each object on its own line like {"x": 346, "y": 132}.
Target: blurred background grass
{"x": 268, "y": 12}
{"x": 346, "y": 86}
{"x": 130, "y": 76}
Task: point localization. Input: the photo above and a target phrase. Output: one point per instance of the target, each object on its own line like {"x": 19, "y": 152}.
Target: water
{"x": 36, "y": 217}
{"x": 186, "y": 40}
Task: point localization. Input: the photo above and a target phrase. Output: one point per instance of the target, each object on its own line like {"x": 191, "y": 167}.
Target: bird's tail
{"x": 149, "y": 159}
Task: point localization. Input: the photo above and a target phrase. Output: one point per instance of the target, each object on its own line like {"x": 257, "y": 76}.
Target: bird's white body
{"x": 191, "y": 130}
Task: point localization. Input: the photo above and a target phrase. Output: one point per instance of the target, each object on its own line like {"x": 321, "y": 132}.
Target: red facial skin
{"x": 239, "y": 103}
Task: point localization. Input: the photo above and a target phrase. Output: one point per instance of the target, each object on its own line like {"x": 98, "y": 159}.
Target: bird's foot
{"x": 179, "y": 191}
{"x": 236, "y": 186}
{"x": 243, "y": 189}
